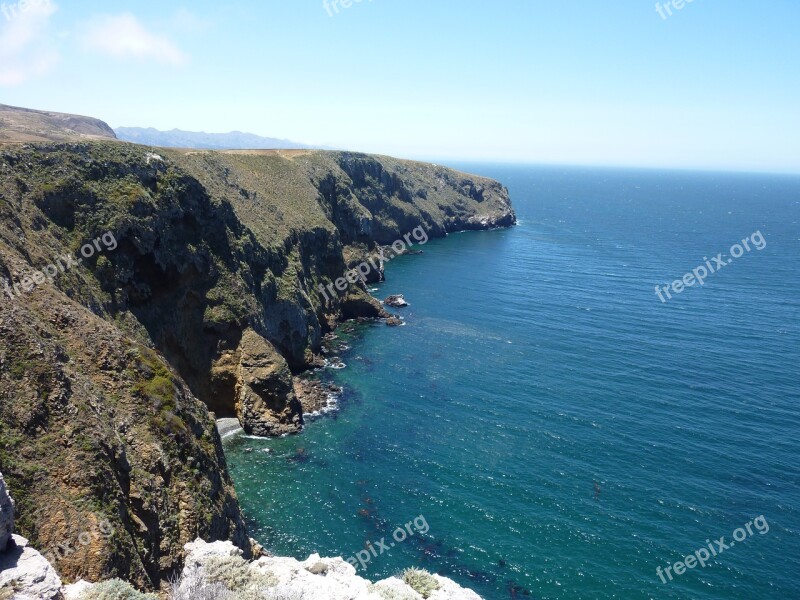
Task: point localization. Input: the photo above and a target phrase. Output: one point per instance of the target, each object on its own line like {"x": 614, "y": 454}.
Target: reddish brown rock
{"x": 265, "y": 399}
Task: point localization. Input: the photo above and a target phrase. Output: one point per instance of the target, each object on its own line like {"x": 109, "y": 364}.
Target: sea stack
{"x": 396, "y": 300}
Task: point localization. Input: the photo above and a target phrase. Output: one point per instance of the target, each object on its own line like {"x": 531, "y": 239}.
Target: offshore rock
{"x": 358, "y": 304}
{"x": 397, "y": 301}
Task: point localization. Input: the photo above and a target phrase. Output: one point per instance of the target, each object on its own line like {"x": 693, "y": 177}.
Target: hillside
{"x": 202, "y": 292}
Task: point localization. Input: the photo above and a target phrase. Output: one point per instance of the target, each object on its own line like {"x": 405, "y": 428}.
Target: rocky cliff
{"x": 6, "y": 515}
{"x": 142, "y": 287}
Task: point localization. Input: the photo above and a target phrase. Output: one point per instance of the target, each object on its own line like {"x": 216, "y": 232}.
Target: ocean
{"x": 555, "y": 428}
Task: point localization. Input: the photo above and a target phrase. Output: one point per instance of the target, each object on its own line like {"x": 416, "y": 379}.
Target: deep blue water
{"x": 562, "y": 431}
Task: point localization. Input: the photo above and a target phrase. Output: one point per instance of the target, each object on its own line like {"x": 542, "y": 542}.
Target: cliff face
{"x": 200, "y": 290}
{"x": 96, "y": 428}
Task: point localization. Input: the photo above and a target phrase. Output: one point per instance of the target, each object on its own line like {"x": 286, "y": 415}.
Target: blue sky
{"x": 716, "y": 85}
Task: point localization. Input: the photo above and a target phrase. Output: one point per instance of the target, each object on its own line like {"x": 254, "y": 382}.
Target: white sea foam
{"x": 233, "y": 433}
{"x": 331, "y": 405}
{"x": 228, "y": 427}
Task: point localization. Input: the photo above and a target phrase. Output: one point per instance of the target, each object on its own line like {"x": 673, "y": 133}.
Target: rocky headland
{"x": 210, "y": 303}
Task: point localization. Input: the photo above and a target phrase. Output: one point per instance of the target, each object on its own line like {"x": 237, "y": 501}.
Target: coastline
{"x": 358, "y": 502}
{"x": 209, "y": 306}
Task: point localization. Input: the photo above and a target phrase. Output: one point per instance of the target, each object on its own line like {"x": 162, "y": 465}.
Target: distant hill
{"x": 177, "y": 138}
{"x": 28, "y": 125}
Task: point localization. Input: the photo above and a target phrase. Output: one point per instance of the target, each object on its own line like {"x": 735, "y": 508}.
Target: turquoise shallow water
{"x": 563, "y": 432}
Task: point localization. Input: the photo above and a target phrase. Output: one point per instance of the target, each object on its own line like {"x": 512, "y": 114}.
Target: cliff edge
{"x": 141, "y": 288}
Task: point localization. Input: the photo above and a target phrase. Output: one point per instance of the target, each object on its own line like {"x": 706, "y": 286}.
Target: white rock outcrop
{"x": 217, "y": 571}
{"x": 75, "y": 590}
{"x": 315, "y": 578}
{"x": 27, "y": 574}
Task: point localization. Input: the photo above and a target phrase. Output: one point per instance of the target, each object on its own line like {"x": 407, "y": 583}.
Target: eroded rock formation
{"x": 266, "y": 404}
{"x": 396, "y": 300}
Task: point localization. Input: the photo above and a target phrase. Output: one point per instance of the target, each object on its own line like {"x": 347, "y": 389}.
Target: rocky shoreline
{"x": 215, "y": 570}
{"x": 316, "y": 397}
{"x": 208, "y": 305}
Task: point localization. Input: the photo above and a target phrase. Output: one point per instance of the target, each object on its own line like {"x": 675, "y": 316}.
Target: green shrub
{"x": 158, "y": 388}
{"x": 124, "y": 192}
{"x": 114, "y": 589}
{"x": 421, "y": 581}
{"x": 390, "y": 593}
{"x": 235, "y": 573}
{"x": 223, "y": 578}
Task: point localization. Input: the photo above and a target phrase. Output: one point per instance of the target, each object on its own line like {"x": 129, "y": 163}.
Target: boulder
{"x": 199, "y": 551}
{"x": 396, "y": 300}
{"x": 316, "y": 397}
{"x": 6, "y": 515}
{"x": 27, "y": 574}
{"x": 76, "y": 590}
{"x": 358, "y": 304}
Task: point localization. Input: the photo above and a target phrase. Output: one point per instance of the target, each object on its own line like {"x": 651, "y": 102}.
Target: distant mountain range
{"x": 28, "y": 125}
{"x": 176, "y": 138}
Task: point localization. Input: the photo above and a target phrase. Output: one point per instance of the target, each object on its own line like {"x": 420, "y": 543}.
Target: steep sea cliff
{"x": 143, "y": 288}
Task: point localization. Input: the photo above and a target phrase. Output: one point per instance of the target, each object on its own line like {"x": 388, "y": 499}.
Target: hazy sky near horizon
{"x": 715, "y": 85}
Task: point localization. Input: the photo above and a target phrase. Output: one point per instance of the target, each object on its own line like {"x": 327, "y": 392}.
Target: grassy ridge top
{"x": 290, "y": 189}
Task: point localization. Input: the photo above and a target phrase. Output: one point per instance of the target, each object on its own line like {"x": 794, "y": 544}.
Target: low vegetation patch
{"x": 389, "y": 593}
{"x": 421, "y": 581}
{"x": 115, "y": 589}
{"x": 224, "y": 578}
